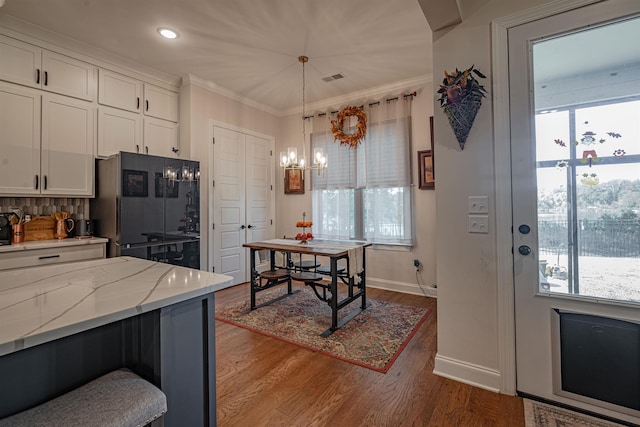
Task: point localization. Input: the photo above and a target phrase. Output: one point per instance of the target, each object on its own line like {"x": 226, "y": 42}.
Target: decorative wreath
{"x": 337, "y": 126}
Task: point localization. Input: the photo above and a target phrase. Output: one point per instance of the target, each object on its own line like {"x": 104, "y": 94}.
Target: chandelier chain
{"x": 304, "y": 131}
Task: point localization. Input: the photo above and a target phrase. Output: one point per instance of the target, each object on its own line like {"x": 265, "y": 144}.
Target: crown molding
{"x": 46, "y": 39}
{"x": 212, "y": 87}
{"x": 392, "y": 88}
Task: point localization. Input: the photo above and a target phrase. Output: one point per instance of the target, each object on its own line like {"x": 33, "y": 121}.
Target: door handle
{"x": 250, "y": 226}
{"x": 524, "y": 250}
{"x": 242, "y": 227}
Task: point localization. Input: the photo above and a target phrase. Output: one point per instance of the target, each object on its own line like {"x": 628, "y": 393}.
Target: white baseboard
{"x": 468, "y": 373}
{"x": 404, "y": 287}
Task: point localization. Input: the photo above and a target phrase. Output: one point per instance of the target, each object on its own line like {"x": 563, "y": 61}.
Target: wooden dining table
{"x": 353, "y": 276}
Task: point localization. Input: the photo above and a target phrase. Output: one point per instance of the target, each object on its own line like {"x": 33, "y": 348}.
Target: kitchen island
{"x": 66, "y": 324}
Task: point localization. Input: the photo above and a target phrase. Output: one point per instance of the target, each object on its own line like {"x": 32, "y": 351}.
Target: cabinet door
{"x": 118, "y": 131}
{"x": 67, "y": 146}
{"x": 119, "y": 91}
{"x": 160, "y": 103}
{"x": 68, "y": 76}
{"x": 21, "y": 62}
{"x": 19, "y": 140}
{"x": 160, "y": 136}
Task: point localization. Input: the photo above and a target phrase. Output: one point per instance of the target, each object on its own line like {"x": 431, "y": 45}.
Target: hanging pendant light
{"x": 289, "y": 160}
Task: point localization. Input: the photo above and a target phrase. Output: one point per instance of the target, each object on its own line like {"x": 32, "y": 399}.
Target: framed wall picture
{"x": 425, "y": 168}
{"x": 135, "y": 183}
{"x": 426, "y": 165}
{"x": 293, "y": 181}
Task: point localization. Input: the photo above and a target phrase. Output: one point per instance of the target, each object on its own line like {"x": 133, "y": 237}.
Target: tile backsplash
{"x": 79, "y": 208}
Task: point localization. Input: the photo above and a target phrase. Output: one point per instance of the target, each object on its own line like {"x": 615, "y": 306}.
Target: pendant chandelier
{"x": 289, "y": 160}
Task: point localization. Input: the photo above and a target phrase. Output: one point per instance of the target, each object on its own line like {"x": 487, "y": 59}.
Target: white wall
{"x": 389, "y": 269}
{"x": 468, "y": 341}
{"x": 199, "y": 106}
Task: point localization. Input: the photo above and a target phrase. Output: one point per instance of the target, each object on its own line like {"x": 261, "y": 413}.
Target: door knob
{"x": 524, "y": 250}
{"x": 242, "y": 227}
{"x": 250, "y": 226}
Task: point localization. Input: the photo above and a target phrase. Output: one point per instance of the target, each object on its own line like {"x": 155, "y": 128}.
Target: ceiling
{"x": 250, "y": 48}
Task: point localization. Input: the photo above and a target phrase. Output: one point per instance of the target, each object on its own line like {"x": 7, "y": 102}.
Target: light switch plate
{"x": 479, "y": 224}
{"x": 478, "y": 204}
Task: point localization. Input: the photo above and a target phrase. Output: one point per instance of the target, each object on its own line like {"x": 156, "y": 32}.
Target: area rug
{"x": 537, "y": 414}
{"x": 372, "y": 339}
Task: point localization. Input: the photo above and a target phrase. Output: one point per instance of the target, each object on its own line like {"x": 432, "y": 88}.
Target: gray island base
{"x": 66, "y": 325}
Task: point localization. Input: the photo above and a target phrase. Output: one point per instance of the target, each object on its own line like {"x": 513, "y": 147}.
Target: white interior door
{"x": 242, "y": 198}
{"x": 575, "y": 139}
{"x": 258, "y": 189}
{"x": 229, "y": 203}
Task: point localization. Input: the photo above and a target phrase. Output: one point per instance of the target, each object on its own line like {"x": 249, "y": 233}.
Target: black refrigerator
{"x": 149, "y": 207}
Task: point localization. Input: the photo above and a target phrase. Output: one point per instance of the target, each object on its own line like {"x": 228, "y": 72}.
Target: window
{"x": 588, "y": 170}
{"x": 365, "y": 193}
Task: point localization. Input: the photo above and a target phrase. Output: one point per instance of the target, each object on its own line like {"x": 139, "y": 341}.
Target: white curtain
{"x": 365, "y": 192}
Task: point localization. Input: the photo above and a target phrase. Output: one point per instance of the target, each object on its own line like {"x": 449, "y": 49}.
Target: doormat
{"x": 372, "y": 339}
{"x": 537, "y": 414}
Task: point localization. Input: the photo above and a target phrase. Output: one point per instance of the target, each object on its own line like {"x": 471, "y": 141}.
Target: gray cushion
{"x": 117, "y": 399}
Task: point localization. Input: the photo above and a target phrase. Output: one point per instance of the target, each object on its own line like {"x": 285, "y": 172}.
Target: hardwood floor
{"x": 262, "y": 381}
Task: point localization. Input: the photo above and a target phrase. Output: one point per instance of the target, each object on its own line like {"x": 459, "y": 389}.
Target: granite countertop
{"x": 42, "y": 304}
{"x": 47, "y": 244}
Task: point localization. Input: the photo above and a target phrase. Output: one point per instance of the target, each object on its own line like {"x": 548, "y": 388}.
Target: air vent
{"x": 333, "y": 77}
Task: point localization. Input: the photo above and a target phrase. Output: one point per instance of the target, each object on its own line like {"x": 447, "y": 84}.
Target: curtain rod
{"x": 412, "y": 94}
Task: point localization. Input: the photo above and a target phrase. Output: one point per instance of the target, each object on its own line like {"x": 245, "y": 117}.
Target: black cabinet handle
{"x": 137, "y": 148}
{"x": 37, "y": 75}
{"x": 147, "y": 104}
{"x": 137, "y": 103}
{"x": 49, "y": 257}
{"x": 146, "y": 149}
{"x": 46, "y": 78}
{"x": 45, "y": 183}
{"x": 36, "y": 182}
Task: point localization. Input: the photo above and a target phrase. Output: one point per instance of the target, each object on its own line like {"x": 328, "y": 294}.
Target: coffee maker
{"x": 5, "y": 228}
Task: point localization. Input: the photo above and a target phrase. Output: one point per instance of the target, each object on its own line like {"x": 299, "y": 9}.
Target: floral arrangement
{"x": 337, "y": 126}
{"x": 460, "y": 97}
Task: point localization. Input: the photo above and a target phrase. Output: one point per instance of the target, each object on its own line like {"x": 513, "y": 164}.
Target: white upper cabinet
{"x": 160, "y": 103}
{"x": 160, "y": 137}
{"x": 21, "y": 62}
{"x": 47, "y": 143}
{"x": 118, "y": 130}
{"x": 67, "y": 146}
{"x": 20, "y": 140}
{"x": 119, "y": 91}
{"x": 29, "y": 65}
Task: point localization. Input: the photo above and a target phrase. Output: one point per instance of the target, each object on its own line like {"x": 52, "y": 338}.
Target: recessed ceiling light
{"x": 167, "y": 33}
